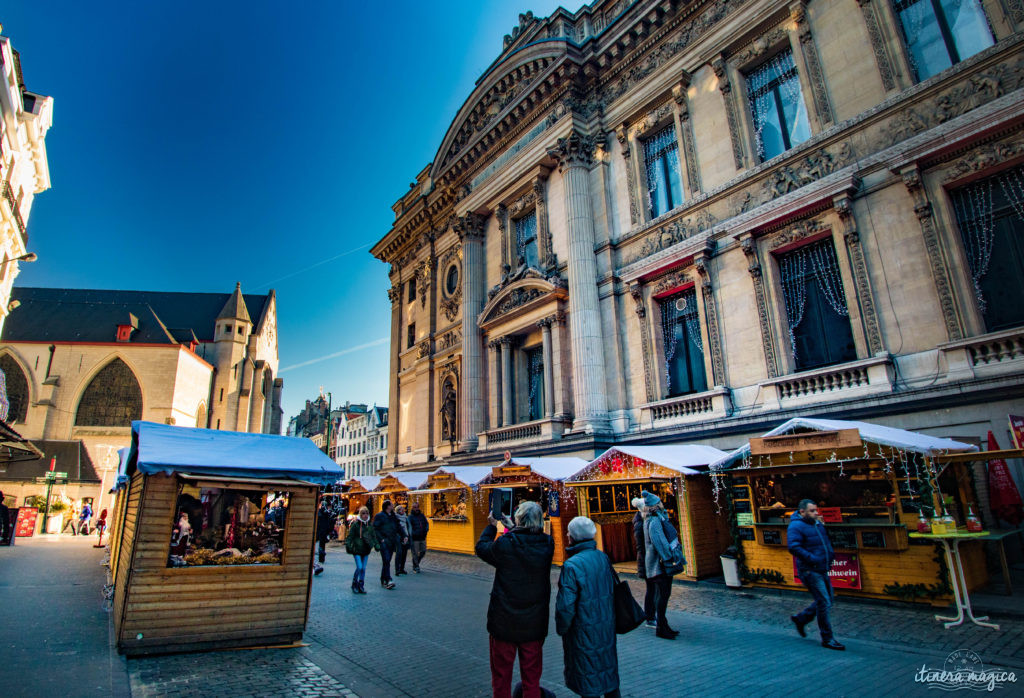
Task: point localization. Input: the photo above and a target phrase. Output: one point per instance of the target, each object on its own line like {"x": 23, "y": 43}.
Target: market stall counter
{"x": 456, "y": 507}
{"x": 216, "y": 543}
{"x": 872, "y": 484}
{"x": 678, "y": 474}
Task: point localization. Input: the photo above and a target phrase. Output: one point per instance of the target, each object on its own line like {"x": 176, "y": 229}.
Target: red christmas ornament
{"x": 605, "y": 468}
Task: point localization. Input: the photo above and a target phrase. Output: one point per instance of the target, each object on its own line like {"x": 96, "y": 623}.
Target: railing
{"x": 514, "y": 433}
{"x": 682, "y": 407}
{"x": 824, "y": 382}
{"x": 996, "y": 349}
{"x": 15, "y": 211}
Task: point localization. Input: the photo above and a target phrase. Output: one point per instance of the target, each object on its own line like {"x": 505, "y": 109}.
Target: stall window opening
{"x": 941, "y": 33}
{"x": 227, "y": 526}
{"x": 683, "y": 345}
{"x": 612, "y": 499}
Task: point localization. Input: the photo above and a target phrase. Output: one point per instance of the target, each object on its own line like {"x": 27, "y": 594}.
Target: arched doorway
{"x": 17, "y": 389}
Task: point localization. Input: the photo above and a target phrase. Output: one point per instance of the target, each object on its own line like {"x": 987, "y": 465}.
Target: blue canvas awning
{"x": 161, "y": 448}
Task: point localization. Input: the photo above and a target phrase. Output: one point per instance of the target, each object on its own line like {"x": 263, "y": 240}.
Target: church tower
{"x": 231, "y": 339}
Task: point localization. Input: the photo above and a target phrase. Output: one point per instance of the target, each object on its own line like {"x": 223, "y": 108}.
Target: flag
{"x": 1003, "y": 493}
{"x": 1017, "y": 430}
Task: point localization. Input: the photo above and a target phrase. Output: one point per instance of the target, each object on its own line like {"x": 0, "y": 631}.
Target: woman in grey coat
{"x": 659, "y": 537}
{"x": 585, "y": 615}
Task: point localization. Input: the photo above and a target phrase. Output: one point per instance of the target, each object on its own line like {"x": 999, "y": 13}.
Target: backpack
{"x": 678, "y": 562}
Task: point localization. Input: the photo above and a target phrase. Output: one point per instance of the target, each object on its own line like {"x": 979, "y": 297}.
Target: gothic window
{"x": 113, "y": 398}
{"x": 535, "y": 366}
{"x": 777, "y": 106}
{"x": 526, "y": 240}
{"x": 661, "y": 161}
{"x": 990, "y": 214}
{"x": 17, "y": 389}
{"x": 819, "y": 321}
{"x": 201, "y": 416}
{"x": 684, "y": 349}
{"x": 941, "y": 33}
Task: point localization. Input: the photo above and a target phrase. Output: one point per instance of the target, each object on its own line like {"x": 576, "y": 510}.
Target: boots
{"x": 362, "y": 587}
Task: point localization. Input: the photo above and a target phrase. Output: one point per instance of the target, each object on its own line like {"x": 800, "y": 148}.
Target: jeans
{"x": 652, "y": 592}
{"x": 359, "y": 577}
{"x": 820, "y": 587}
{"x": 386, "y": 551}
{"x": 419, "y": 549}
{"x": 531, "y": 666}
{"x": 400, "y": 555}
{"x": 662, "y": 590}
{"x": 321, "y": 550}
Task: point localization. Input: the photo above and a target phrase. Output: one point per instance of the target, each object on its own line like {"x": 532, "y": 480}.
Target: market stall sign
{"x": 845, "y": 572}
{"x": 771, "y": 536}
{"x": 25, "y": 526}
{"x": 745, "y": 519}
{"x": 831, "y": 514}
{"x": 812, "y": 447}
{"x": 511, "y": 470}
{"x": 843, "y": 538}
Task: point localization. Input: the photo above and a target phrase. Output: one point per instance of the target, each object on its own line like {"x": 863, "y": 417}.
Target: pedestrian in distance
{"x": 101, "y": 526}
{"x": 661, "y": 554}
{"x": 361, "y": 539}
{"x": 585, "y": 615}
{"x": 403, "y": 548}
{"x": 84, "y": 518}
{"x": 418, "y": 528}
{"x": 809, "y": 544}
{"x": 325, "y": 520}
{"x": 517, "y": 615}
{"x": 641, "y": 561}
{"x": 71, "y": 521}
{"x": 389, "y": 536}
{"x": 5, "y": 522}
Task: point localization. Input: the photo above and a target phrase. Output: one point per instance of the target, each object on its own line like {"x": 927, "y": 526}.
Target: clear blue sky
{"x": 196, "y": 144}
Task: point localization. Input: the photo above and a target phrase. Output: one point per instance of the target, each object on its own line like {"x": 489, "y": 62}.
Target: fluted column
{"x": 494, "y": 346}
{"x": 472, "y": 396}
{"x": 395, "y": 296}
{"x": 506, "y": 380}
{"x": 549, "y": 375}
{"x": 574, "y": 155}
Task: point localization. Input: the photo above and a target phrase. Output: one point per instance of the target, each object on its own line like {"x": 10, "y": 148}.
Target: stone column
{"x": 506, "y": 379}
{"x": 622, "y": 136}
{"x": 749, "y": 247}
{"x": 472, "y": 395}
{"x": 574, "y": 155}
{"x": 549, "y": 361}
{"x": 395, "y": 295}
{"x": 496, "y": 381}
{"x": 843, "y": 206}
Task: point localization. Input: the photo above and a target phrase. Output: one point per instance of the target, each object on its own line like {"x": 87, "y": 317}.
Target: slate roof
{"x": 92, "y": 315}
{"x": 72, "y": 458}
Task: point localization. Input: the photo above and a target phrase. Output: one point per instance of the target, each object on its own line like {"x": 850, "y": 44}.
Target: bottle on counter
{"x": 923, "y": 524}
{"x": 948, "y": 524}
{"x": 973, "y": 522}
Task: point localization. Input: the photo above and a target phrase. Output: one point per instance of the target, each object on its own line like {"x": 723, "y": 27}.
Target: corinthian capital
{"x": 470, "y": 226}
{"x": 575, "y": 150}
{"x": 394, "y": 294}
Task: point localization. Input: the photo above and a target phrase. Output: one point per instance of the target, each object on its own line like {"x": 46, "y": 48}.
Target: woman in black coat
{"x": 641, "y": 564}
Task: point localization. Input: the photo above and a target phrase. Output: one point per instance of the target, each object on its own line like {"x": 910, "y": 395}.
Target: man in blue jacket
{"x": 808, "y": 543}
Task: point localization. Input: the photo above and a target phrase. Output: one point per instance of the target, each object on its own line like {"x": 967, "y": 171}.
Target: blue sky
{"x": 196, "y": 144}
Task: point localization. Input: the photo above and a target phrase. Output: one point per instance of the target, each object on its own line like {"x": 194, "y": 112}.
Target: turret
{"x": 231, "y": 336}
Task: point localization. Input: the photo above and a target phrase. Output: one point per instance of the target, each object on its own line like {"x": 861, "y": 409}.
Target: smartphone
{"x": 501, "y": 503}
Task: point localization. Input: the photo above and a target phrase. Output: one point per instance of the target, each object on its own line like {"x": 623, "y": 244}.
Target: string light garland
{"x": 762, "y": 102}
{"x": 676, "y": 308}
{"x": 816, "y": 261}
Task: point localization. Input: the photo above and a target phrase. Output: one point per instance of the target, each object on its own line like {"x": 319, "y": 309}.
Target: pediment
{"x": 520, "y": 297}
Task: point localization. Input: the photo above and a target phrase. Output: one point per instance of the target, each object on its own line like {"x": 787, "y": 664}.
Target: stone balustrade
{"x": 830, "y": 383}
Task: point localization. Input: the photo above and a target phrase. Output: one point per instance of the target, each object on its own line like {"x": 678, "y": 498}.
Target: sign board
{"x": 25, "y": 527}
{"x": 831, "y": 514}
{"x": 745, "y": 519}
{"x": 746, "y": 533}
{"x": 845, "y": 572}
{"x": 822, "y": 441}
{"x": 511, "y": 470}
{"x": 1017, "y": 430}
{"x": 56, "y": 476}
{"x": 771, "y": 536}
{"x": 843, "y": 538}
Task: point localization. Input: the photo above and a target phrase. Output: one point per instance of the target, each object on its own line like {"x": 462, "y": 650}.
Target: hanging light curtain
{"x": 654, "y": 150}
{"x": 536, "y": 369}
{"x": 761, "y": 101}
{"x": 680, "y": 307}
{"x": 817, "y": 261}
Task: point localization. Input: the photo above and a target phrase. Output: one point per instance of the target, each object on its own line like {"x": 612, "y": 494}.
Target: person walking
{"x": 325, "y": 520}
{"x": 101, "y": 526}
{"x": 389, "y": 536}
{"x": 641, "y": 562}
{"x": 660, "y": 536}
{"x": 84, "y": 518}
{"x": 517, "y": 615}
{"x": 809, "y": 544}
{"x": 5, "y": 523}
{"x": 418, "y": 528}
{"x": 71, "y": 520}
{"x": 585, "y": 615}
{"x": 403, "y": 548}
{"x": 361, "y": 539}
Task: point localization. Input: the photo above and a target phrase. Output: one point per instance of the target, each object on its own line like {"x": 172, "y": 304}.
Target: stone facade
{"x": 361, "y": 441}
{"x": 529, "y": 257}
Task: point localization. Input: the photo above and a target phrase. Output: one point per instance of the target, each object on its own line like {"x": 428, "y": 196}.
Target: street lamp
{"x": 27, "y": 257}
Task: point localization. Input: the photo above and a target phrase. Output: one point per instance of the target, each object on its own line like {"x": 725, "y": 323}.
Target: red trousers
{"x": 531, "y": 665}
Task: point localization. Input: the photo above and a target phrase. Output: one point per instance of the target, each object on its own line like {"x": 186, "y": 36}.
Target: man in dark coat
{"x": 809, "y": 544}
{"x": 418, "y": 527}
{"x": 325, "y": 520}
{"x": 585, "y": 615}
{"x": 517, "y": 616}
{"x": 641, "y": 561}
{"x": 389, "y": 535}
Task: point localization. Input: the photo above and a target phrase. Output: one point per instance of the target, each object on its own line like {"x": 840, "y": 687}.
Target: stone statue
{"x": 448, "y": 411}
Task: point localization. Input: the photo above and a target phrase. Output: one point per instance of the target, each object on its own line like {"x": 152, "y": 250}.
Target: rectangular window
{"x": 819, "y": 322}
{"x": 222, "y": 394}
{"x": 410, "y": 336}
{"x": 990, "y": 215}
{"x": 412, "y": 289}
{"x": 777, "y": 106}
{"x": 526, "y": 240}
{"x": 941, "y": 33}
{"x": 535, "y": 365}
{"x": 226, "y": 526}
{"x": 684, "y": 347}
{"x": 661, "y": 160}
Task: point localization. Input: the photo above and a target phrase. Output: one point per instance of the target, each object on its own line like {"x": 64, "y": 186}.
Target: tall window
{"x": 410, "y": 335}
{"x": 777, "y": 106}
{"x": 412, "y": 289}
{"x": 112, "y": 399}
{"x": 819, "y": 321}
{"x": 990, "y": 214}
{"x": 17, "y": 389}
{"x": 941, "y": 33}
{"x": 661, "y": 160}
{"x": 526, "y": 239}
{"x": 535, "y": 365}
{"x": 684, "y": 348}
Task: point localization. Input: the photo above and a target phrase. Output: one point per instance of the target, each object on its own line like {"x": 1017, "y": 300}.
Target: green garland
{"x": 917, "y": 592}
{"x": 763, "y": 575}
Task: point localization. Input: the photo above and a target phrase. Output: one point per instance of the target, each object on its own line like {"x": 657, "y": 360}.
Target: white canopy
{"x": 875, "y": 433}
{"x": 688, "y": 459}
{"x": 553, "y": 468}
{"x": 368, "y": 482}
{"x": 470, "y": 475}
{"x": 411, "y": 480}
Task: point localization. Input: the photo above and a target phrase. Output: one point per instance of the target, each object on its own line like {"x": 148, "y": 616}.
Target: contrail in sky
{"x": 358, "y": 347}
{"x": 314, "y": 266}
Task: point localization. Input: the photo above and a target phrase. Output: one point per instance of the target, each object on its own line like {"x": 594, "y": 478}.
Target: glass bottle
{"x": 923, "y": 524}
{"x": 973, "y": 522}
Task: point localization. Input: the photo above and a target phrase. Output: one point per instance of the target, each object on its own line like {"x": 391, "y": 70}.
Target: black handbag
{"x": 628, "y": 614}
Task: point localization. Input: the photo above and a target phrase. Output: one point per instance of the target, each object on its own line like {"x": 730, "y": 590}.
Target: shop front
{"x": 456, "y": 507}
{"x": 872, "y": 485}
{"x": 357, "y": 493}
{"x": 540, "y": 480}
{"x": 606, "y": 488}
{"x": 215, "y": 539}
{"x": 395, "y": 487}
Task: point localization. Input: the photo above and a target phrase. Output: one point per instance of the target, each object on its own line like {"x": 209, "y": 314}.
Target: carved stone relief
{"x": 749, "y": 247}
{"x": 865, "y": 298}
{"x": 985, "y": 156}
{"x": 885, "y": 69}
{"x": 687, "y": 136}
{"x": 675, "y": 232}
{"x": 669, "y": 282}
{"x": 637, "y": 293}
{"x": 701, "y": 264}
{"x": 449, "y": 339}
{"x": 721, "y": 70}
{"x": 815, "y": 75}
{"x": 623, "y": 138}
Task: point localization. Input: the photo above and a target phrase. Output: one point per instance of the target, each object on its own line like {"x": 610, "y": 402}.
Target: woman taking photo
{"x": 663, "y": 558}
{"x": 360, "y": 541}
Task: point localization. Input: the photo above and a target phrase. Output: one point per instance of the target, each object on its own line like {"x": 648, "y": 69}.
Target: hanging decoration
{"x": 536, "y": 381}
{"x": 779, "y": 71}
{"x": 677, "y": 309}
{"x": 815, "y": 261}
{"x": 659, "y": 148}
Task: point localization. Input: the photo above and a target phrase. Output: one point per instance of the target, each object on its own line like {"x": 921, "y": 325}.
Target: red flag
{"x": 53, "y": 463}
{"x": 1002, "y": 492}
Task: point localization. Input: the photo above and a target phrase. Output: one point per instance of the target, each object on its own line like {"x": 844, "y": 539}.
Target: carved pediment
{"x": 520, "y": 296}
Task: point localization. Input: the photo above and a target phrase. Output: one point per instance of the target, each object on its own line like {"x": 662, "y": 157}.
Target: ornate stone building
{"x": 688, "y": 221}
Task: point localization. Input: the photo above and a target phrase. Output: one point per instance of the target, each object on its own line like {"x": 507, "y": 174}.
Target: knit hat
{"x": 650, "y": 499}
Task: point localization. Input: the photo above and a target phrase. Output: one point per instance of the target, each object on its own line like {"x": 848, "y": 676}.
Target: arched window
{"x": 112, "y": 399}
{"x": 17, "y": 389}
{"x": 201, "y": 416}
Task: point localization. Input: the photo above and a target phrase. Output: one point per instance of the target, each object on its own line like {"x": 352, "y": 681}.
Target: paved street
{"x": 427, "y": 638}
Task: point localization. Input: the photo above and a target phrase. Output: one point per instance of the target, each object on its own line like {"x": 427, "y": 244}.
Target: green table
{"x": 951, "y": 542}
{"x": 1000, "y": 535}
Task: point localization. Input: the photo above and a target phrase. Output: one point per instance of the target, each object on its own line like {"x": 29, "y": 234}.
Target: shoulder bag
{"x": 628, "y": 614}
{"x": 678, "y": 562}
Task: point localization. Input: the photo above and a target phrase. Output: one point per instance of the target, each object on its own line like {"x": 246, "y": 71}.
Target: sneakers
{"x": 416, "y": 570}
{"x": 833, "y": 644}
{"x": 389, "y": 585}
{"x": 318, "y": 569}
{"x": 666, "y": 634}
{"x": 651, "y": 623}
{"x": 799, "y": 626}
